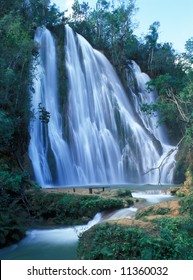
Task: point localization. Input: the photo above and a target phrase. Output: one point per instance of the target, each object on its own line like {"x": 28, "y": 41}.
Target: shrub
{"x": 68, "y": 208}
{"x": 151, "y": 211}
{"x": 123, "y": 193}
{"x": 186, "y": 205}
{"x": 12, "y": 225}
{"x": 129, "y": 202}
{"x": 110, "y": 241}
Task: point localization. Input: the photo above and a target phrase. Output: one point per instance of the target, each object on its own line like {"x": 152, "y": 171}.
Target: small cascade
{"x": 153, "y": 196}
{"x": 152, "y": 123}
{"x": 61, "y": 243}
{"x": 126, "y": 213}
{"x": 109, "y": 141}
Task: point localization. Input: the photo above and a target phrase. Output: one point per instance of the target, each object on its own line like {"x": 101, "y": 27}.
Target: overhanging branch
{"x": 164, "y": 159}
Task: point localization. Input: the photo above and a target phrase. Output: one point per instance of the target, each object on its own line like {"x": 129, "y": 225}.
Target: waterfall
{"x": 47, "y": 147}
{"x": 110, "y": 141}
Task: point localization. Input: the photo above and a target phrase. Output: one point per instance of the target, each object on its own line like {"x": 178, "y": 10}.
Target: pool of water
{"x": 46, "y": 244}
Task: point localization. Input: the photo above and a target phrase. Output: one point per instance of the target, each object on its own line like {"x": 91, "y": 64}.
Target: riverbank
{"x": 54, "y": 234}
{"x": 54, "y": 207}
{"x": 159, "y": 231}
{"x": 51, "y": 210}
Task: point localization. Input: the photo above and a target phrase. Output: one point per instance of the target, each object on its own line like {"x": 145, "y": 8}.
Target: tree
{"x": 151, "y": 42}
{"x": 175, "y": 99}
{"x": 18, "y": 21}
{"x": 107, "y": 28}
{"x": 189, "y": 50}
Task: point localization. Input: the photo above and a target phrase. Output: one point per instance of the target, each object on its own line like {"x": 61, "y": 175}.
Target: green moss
{"x": 59, "y": 33}
{"x": 68, "y": 209}
{"x": 186, "y": 205}
{"x": 151, "y": 211}
{"x": 180, "y": 194}
{"x": 129, "y": 202}
{"x": 123, "y": 193}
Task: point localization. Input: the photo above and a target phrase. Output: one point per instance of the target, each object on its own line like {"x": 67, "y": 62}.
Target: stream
{"x": 61, "y": 243}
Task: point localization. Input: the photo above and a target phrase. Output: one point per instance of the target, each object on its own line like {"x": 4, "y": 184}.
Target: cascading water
{"x": 166, "y": 163}
{"x": 107, "y": 142}
{"x": 46, "y": 140}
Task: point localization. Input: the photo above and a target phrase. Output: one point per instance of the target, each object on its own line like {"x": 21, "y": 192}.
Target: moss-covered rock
{"x": 68, "y": 209}
{"x": 123, "y": 193}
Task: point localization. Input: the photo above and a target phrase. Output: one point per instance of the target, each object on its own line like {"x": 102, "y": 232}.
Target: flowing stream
{"x": 61, "y": 243}
{"x": 107, "y": 139}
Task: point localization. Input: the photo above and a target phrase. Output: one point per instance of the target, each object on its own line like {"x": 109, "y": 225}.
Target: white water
{"x": 152, "y": 197}
{"x": 48, "y": 244}
{"x": 47, "y": 140}
{"x": 153, "y": 125}
{"x": 107, "y": 143}
{"x": 127, "y": 213}
{"x": 61, "y": 243}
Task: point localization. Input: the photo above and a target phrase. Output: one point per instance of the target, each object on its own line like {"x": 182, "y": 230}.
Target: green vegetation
{"x": 123, "y": 193}
{"x": 18, "y": 21}
{"x": 67, "y": 209}
{"x": 13, "y": 204}
{"x": 161, "y": 237}
{"x": 151, "y": 211}
{"x": 21, "y": 208}
{"x": 114, "y": 242}
{"x": 107, "y": 28}
{"x": 186, "y": 204}
{"x": 110, "y": 30}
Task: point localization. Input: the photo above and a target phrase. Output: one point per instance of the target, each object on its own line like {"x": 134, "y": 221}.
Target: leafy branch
{"x": 44, "y": 115}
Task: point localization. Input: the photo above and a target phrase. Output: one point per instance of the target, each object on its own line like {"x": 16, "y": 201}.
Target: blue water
{"x": 61, "y": 243}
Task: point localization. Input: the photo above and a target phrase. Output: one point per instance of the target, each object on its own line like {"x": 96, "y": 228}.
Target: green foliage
{"x": 68, "y": 208}
{"x": 44, "y": 115}
{"x": 110, "y": 29}
{"x": 13, "y": 204}
{"x": 153, "y": 35}
{"x": 41, "y": 13}
{"x": 189, "y": 50}
{"x": 169, "y": 239}
{"x": 12, "y": 227}
{"x": 18, "y": 20}
{"x": 6, "y": 131}
{"x": 123, "y": 193}
{"x": 174, "y": 102}
{"x": 149, "y": 211}
{"x": 11, "y": 181}
{"x": 186, "y": 205}
{"x": 130, "y": 202}
{"x": 107, "y": 28}
{"x": 15, "y": 57}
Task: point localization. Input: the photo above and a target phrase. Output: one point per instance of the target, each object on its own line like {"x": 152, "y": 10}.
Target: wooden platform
{"x": 74, "y": 188}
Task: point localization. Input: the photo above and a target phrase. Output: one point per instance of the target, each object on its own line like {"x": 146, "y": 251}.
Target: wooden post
{"x": 90, "y": 190}
{"x": 74, "y": 190}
